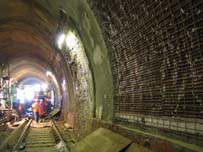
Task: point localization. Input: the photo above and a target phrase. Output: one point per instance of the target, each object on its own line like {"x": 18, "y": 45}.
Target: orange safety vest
{"x": 42, "y": 110}
{"x": 35, "y": 107}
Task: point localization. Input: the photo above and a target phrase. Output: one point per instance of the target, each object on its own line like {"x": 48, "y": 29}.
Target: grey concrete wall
{"x": 192, "y": 126}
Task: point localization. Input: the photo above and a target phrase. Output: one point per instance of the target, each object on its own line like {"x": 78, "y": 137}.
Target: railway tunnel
{"x": 126, "y": 75}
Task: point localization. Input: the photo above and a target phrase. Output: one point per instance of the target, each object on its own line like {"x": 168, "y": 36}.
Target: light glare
{"x": 61, "y": 40}
{"x": 44, "y": 86}
{"x": 50, "y": 74}
{"x": 71, "y": 41}
{"x": 28, "y": 93}
{"x": 36, "y": 88}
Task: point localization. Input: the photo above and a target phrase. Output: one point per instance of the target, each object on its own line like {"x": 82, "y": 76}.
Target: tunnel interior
{"x": 133, "y": 66}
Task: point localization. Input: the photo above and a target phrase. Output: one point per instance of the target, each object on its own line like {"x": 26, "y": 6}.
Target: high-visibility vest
{"x": 42, "y": 110}
{"x": 35, "y": 107}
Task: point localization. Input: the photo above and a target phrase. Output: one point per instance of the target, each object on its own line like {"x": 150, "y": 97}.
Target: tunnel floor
{"x": 40, "y": 137}
{"x": 53, "y": 136}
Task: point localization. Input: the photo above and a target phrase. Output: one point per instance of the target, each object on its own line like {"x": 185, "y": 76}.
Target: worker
{"x": 42, "y": 110}
{"x": 35, "y": 109}
{"x": 20, "y": 110}
{"x": 47, "y": 105}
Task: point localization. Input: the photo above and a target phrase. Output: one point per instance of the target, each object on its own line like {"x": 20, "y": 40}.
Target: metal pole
{"x": 9, "y": 87}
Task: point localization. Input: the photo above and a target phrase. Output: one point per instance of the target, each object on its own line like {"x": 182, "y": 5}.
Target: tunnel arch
{"x": 87, "y": 28}
{"x": 35, "y": 36}
{"x": 145, "y": 58}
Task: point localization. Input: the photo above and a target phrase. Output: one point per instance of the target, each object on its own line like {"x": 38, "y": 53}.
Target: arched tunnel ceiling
{"x": 26, "y": 39}
{"x": 23, "y": 44}
{"x": 27, "y": 73}
{"x": 30, "y": 81}
{"x": 27, "y": 67}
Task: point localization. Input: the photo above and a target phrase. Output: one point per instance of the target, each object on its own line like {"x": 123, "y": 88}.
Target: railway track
{"x": 35, "y": 137}
{"x": 39, "y": 138}
{"x": 66, "y": 134}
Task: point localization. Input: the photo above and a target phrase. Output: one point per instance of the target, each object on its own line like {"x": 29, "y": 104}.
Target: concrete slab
{"x": 102, "y": 140}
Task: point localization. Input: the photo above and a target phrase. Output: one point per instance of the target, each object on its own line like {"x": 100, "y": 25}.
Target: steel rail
{"x": 62, "y": 146}
{"x": 22, "y": 136}
{"x": 23, "y": 133}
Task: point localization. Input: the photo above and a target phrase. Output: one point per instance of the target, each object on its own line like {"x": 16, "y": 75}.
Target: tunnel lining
{"x": 151, "y": 62}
